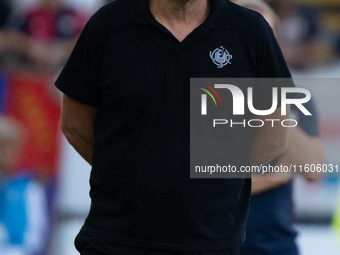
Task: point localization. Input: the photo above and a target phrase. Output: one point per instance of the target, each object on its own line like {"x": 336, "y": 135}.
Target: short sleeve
{"x": 271, "y": 63}
{"x": 79, "y": 78}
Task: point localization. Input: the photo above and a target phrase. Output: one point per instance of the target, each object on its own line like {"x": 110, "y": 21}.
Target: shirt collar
{"x": 218, "y": 17}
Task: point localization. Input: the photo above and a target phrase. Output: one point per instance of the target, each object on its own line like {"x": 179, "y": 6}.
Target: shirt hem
{"x": 130, "y": 241}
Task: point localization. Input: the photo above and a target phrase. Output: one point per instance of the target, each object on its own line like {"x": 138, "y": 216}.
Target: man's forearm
{"x": 82, "y": 143}
{"x": 77, "y": 124}
{"x": 268, "y": 141}
{"x": 262, "y": 153}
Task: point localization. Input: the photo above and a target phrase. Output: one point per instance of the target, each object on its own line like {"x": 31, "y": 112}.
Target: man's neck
{"x": 180, "y": 10}
{"x": 180, "y": 16}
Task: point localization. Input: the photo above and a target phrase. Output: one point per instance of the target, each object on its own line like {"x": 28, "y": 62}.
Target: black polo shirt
{"x": 138, "y": 74}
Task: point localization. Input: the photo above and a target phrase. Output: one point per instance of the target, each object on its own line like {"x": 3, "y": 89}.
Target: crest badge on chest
{"x": 220, "y": 56}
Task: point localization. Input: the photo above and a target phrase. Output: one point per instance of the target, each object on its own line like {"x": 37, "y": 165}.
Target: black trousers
{"x": 88, "y": 245}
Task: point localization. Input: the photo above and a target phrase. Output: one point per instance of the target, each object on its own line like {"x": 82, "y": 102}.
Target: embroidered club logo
{"x": 220, "y": 56}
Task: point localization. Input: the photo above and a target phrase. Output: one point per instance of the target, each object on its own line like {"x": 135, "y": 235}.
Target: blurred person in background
{"x": 44, "y": 35}
{"x": 270, "y": 221}
{"x": 7, "y": 40}
{"x": 23, "y": 208}
{"x": 5, "y": 10}
{"x": 298, "y": 34}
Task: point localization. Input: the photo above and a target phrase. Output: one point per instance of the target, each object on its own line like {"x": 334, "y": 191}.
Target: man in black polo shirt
{"x": 126, "y": 111}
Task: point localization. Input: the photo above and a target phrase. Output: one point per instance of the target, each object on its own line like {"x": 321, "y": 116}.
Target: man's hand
{"x": 77, "y": 121}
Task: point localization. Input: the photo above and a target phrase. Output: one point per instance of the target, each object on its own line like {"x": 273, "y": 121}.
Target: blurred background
{"x": 37, "y": 36}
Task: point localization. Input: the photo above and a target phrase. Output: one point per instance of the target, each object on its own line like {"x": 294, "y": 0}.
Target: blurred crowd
{"x": 310, "y": 32}
{"x": 38, "y": 38}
